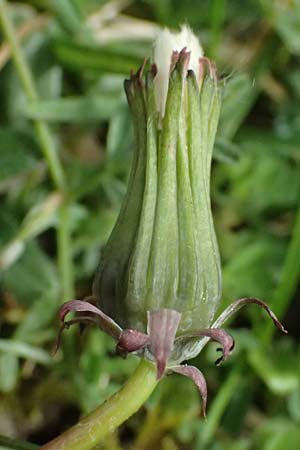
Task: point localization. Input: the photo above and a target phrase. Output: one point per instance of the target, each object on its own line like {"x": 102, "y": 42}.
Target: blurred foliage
{"x": 79, "y": 52}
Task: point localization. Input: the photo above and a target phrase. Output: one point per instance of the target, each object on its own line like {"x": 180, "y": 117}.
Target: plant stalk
{"x": 90, "y": 430}
{"x": 289, "y": 278}
{"x": 64, "y": 246}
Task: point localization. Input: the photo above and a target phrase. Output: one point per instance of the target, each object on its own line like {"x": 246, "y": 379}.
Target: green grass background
{"x": 56, "y": 214}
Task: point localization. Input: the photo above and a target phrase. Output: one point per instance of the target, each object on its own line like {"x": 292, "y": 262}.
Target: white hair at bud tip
{"x": 166, "y": 42}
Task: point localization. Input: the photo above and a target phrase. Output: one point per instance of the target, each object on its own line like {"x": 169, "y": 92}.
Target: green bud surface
{"x": 162, "y": 252}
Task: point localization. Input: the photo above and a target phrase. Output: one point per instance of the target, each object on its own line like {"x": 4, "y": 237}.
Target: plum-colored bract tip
{"x": 224, "y": 338}
{"x": 105, "y": 322}
{"x": 140, "y": 71}
{"x": 212, "y": 70}
{"x": 162, "y": 328}
{"x": 56, "y": 345}
{"x": 236, "y": 305}
{"x": 153, "y": 69}
{"x": 160, "y": 367}
{"x": 198, "y": 378}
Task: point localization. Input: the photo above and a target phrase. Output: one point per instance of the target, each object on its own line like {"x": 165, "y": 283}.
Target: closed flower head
{"x": 159, "y": 281}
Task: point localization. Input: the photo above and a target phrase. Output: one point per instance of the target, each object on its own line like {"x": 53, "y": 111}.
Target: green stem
{"x": 64, "y": 246}
{"x": 48, "y": 147}
{"x": 289, "y": 278}
{"x": 87, "y": 433}
{"x": 65, "y": 266}
{"x": 217, "y": 18}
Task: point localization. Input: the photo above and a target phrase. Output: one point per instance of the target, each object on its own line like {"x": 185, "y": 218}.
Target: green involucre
{"x": 162, "y": 252}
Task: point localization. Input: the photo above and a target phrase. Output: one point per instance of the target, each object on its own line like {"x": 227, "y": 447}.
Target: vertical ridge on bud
{"x": 109, "y": 282}
{"x": 163, "y": 266}
{"x": 187, "y": 254}
{"x": 139, "y": 258}
{"x": 200, "y": 146}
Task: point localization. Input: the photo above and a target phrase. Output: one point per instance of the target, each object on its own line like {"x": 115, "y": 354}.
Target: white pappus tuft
{"x": 164, "y": 45}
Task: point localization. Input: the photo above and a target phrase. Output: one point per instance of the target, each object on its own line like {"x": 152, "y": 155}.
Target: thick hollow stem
{"x": 106, "y": 418}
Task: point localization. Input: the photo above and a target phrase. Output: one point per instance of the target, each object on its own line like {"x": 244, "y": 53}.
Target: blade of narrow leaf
{"x": 79, "y": 57}
{"x": 14, "y": 444}
{"x": 9, "y": 367}
{"x": 74, "y": 109}
{"x": 239, "y": 96}
{"x": 22, "y": 350}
